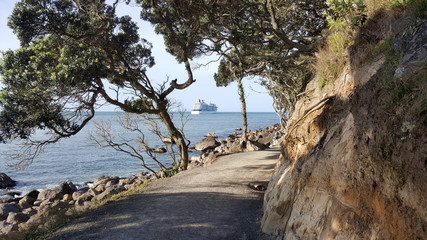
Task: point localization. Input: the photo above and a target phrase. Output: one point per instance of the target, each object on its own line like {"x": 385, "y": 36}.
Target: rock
{"x": 168, "y": 140}
{"x": 36, "y": 220}
{"x": 6, "y": 181}
{"x": 159, "y": 150}
{"x": 29, "y": 211}
{"x": 67, "y": 188}
{"x": 211, "y": 134}
{"x": 60, "y": 205}
{"x": 29, "y": 199}
{"x": 57, "y": 192}
{"x": 87, "y": 196}
{"x": 76, "y": 195}
{"x": 109, "y": 192}
{"x": 125, "y": 181}
{"x": 103, "y": 180}
{"x": 254, "y": 146}
{"x": 17, "y": 218}
{"x": 26, "y": 202}
{"x": 265, "y": 138}
{"x": 100, "y": 188}
{"x": 6, "y": 208}
{"x": 207, "y": 143}
{"x": 49, "y": 195}
{"x": 33, "y": 194}
{"x": 67, "y": 197}
{"x": 83, "y": 189}
{"x": 6, "y": 228}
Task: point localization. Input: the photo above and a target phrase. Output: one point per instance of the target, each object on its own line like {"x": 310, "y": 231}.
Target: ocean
{"x": 78, "y": 159}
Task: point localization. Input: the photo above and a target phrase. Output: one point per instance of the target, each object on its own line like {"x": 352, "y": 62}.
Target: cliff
{"x": 354, "y": 158}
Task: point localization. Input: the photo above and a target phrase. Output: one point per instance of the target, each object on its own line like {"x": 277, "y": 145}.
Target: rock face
{"x": 355, "y": 158}
{"x": 6, "y": 181}
{"x": 207, "y": 143}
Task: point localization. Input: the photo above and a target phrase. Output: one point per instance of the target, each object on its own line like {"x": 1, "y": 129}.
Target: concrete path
{"x": 213, "y": 202}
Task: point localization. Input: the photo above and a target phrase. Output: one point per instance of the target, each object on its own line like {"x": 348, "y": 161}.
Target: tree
{"x": 72, "y": 52}
{"x": 263, "y": 38}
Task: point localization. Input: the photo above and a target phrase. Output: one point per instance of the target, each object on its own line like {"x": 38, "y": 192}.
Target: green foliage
{"x": 254, "y": 38}
{"x": 353, "y": 12}
{"x": 418, "y": 7}
{"x": 398, "y": 3}
{"x": 69, "y": 50}
{"x": 322, "y": 82}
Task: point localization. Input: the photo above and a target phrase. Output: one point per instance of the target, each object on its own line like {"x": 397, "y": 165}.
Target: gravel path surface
{"x": 213, "y": 202}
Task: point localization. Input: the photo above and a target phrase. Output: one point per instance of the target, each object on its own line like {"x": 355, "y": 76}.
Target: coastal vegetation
{"x": 74, "y": 56}
{"x": 270, "y": 40}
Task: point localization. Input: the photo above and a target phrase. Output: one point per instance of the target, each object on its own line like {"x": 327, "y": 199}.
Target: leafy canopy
{"x": 74, "y": 55}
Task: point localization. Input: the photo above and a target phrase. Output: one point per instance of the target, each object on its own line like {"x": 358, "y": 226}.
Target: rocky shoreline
{"x": 41, "y": 209}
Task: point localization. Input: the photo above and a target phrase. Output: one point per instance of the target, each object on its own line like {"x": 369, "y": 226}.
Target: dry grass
{"x": 365, "y": 47}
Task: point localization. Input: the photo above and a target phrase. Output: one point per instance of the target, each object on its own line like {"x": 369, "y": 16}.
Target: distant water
{"x": 78, "y": 159}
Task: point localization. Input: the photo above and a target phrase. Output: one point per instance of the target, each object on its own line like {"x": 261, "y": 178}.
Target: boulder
{"x": 57, "y": 192}
{"x": 103, "y": 180}
{"x": 211, "y": 134}
{"x": 76, "y": 195}
{"x": 265, "y": 138}
{"x": 67, "y": 197}
{"x": 159, "y": 150}
{"x": 49, "y": 195}
{"x": 67, "y": 188}
{"x": 109, "y": 192}
{"x": 207, "y": 143}
{"x": 6, "y": 228}
{"x": 254, "y": 146}
{"x": 26, "y": 202}
{"x": 33, "y": 194}
{"x": 6, "y": 208}
{"x": 17, "y": 218}
{"x": 87, "y": 196}
{"x": 6, "y": 181}
{"x": 126, "y": 181}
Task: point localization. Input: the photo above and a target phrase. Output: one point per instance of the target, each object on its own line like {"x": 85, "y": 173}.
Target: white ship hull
{"x": 202, "y": 112}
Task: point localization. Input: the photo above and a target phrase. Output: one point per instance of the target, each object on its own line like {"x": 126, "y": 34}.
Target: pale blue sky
{"x": 226, "y": 98}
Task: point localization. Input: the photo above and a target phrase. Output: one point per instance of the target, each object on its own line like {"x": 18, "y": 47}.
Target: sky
{"x": 226, "y": 98}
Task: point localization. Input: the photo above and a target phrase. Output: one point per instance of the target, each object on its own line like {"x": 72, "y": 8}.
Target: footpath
{"x": 214, "y": 202}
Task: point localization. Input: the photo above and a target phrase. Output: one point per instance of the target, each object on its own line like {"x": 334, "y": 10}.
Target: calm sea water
{"x": 78, "y": 159}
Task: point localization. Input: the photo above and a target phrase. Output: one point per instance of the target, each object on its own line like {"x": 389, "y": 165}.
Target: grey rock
{"x": 57, "y": 192}
{"x": 6, "y": 228}
{"x": 6, "y": 181}
{"x": 254, "y": 146}
{"x": 17, "y": 218}
{"x": 207, "y": 143}
{"x": 109, "y": 192}
{"x": 77, "y": 194}
{"x": 6, "y": 208}
{"x": 159, "y": 150}
{"x": 211, "y": 134}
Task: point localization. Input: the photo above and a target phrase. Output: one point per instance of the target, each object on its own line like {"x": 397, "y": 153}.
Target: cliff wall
{"x": 354, "y": 159}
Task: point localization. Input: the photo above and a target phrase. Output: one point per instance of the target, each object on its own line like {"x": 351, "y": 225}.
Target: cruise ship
{"x": 201, "y": 107}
